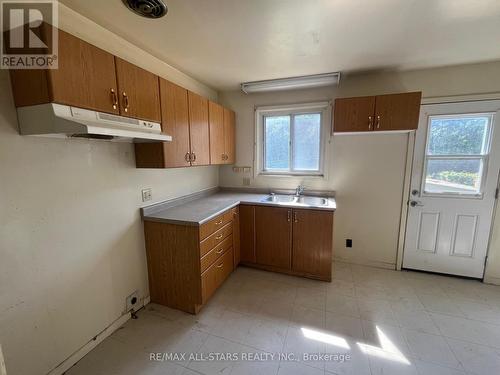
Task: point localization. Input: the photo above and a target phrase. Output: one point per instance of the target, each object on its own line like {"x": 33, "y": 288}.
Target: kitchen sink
{"x": 312, "y": 201}
{"x": 293, "y": 200}
{"x": 280, "y": 198}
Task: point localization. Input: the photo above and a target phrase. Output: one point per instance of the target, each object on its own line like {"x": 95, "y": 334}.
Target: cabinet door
{"x": 236, "y": 236}
{"x": 84, "y": 78}
{"x": 354, "y": 114}
{"x": 397, "y": 111}
{"x": 139, "y": 92}
{"x": 198, "y": 128}
{"x": 273, "y": 230}
{"x": 216, "y": 121}
{"x": 229, "y": 136}
{"x": 247, "y": 234}
{"x": 175, "y": 122}
{"x": 312, "y": 242}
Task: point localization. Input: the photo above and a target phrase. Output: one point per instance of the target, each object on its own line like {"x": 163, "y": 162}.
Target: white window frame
{"x": 484, "y": 157}
{"x": 324, "y": 108}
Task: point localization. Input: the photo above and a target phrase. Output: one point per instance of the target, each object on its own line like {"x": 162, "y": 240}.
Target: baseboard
{"x": 100, "y": 337}
{"x": 369, "y": 263}
{"x": 491, "y": 280}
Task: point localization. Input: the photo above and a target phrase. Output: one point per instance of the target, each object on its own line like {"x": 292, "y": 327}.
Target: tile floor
{"x": 367, "y": 321}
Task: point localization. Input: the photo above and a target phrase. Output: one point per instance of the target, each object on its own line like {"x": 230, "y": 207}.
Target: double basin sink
{"x": 294, "y": 200}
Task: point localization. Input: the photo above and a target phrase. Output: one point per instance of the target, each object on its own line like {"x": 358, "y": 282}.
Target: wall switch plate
{"x": 246, "y": 181}
{"x": 147, "y": 194}
{"x": 132, "y": 302}
{"x": 348, "y": 242}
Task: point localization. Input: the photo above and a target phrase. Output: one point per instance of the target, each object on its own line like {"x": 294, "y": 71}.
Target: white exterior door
{"x": 454, "y": 180}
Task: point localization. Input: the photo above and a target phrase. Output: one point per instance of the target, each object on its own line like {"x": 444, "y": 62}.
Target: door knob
{"x": 415, "y": 203}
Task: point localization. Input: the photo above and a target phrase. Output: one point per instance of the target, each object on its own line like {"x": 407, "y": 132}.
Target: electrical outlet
{"x": 246, "y": 181}
{"x": 348, "y": 242}
{"x": 147, "y": 194}
{"x": 132, "y": 302}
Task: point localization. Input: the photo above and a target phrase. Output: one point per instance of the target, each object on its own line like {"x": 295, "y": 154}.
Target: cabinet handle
{"x": 187, "y": 157}
{"x": 223, "y": 157}
{"x": 370, "y": 122}
{"x": 220, "y": 265}
{"x": 125, "y": 101}
{"x": 218, "y": 237}
{"x": 114, "y": 98}
{"x": 288, "y": 214}
{"x": 295, "y": 220}
{"x": 194, "y": 157}
{"x": 378, "y": 122}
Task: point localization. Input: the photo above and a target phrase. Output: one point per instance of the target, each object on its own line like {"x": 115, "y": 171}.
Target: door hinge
{"x": 496, "y": 193}
{"x": 485, "y": 260}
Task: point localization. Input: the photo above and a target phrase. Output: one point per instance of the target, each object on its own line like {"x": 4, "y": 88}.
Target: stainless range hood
{"x": 62, "y": 121}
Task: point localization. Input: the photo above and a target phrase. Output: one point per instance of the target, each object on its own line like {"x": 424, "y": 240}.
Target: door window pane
{"x": 466, "y": 135}
{"x": 277, "y": 142}
{"x": 461, "y": 176}
{"x": 306, "y": 142}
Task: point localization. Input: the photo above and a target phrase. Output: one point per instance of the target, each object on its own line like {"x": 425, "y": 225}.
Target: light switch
{"x": 147, "y": 195}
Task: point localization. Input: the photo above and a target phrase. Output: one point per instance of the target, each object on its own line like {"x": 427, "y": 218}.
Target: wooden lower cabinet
{"x": 187, "y": 263}
{"x": 273, "y": 235}
{"x": 247, "y": 234}
{"x": 236, "y": 236}
{"x": 312, "y": 243}
{"x": 292, "y": 241}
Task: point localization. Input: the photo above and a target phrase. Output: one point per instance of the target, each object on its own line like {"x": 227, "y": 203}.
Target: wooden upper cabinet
{"x": 397, "y": 111}
{"x": 312, "y": 243}
{"x": 354, "y": 114}
{"x": 273, "y": 234}
{"x": 138, "y": 91}
{"x": 247, "y": 234}
{"x": 216, "y": 121}
{"x": 85, "y": 78}
{"x": 175, "y": 122}
{"x": 379, "y": 113}
{"x": 199, "y": 129}
{"x": 229, "y": 136}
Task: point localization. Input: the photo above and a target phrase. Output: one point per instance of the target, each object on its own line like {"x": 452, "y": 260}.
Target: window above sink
{"x": 291, "y": 140}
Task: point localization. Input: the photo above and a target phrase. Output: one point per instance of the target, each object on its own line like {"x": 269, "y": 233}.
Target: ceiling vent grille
{"x": 147, "y": 8}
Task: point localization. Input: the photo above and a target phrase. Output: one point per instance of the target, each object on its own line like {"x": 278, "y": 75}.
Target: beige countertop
{"x": 201, "y": 207}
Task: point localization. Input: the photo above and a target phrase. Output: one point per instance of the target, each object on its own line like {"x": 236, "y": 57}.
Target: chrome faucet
{"x": 299, "y": 190}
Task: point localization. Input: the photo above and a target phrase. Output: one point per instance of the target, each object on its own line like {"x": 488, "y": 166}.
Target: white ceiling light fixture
{"x": 292, "y": 83}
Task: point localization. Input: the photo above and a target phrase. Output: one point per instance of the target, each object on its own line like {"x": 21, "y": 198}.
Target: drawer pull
{"x": 218, "y": 237}
{"x": 220, "y": 265}
{"x": 220, "y": 251}
{"x": 219, "y": 222}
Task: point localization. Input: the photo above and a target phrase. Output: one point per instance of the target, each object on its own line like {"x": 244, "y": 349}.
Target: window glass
{"x": 306, "y": 141}
{"x": 458, "y": 136}
{"x": 453, "y": 176}
{"x": 277, "y": 142}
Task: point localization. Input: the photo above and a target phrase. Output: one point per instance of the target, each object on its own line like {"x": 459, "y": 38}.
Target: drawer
{"x": 215, "y": 224}
{"x": 215, "y": 253}
{"x": 215, "y": 275}
{"x": 224, "y": 266}
{"x": 215, "y": 239}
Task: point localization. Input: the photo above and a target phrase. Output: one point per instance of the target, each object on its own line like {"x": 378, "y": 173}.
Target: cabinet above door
{"x": 377, "y": 113}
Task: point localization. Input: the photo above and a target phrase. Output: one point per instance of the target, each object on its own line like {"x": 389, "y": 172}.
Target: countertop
{"x": 199, "y": 208}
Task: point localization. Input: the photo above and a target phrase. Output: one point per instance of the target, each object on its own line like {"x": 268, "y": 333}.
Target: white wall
{"x": 366, "y": 171}
{"x": 71, "y": 238}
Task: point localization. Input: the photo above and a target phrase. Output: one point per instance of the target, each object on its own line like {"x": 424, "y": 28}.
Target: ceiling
{"x": 225, "y": 42}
